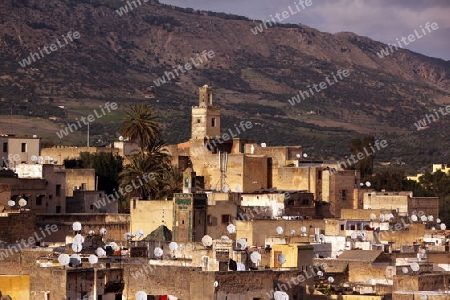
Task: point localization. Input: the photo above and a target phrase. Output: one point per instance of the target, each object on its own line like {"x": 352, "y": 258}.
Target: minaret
{"x": 205, "y": 117}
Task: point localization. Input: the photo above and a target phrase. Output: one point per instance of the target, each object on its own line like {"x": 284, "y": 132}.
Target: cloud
{"x": 381, "y": 20}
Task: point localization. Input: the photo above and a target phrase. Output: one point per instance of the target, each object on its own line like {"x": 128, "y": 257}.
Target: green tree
{"x": 172, "y": 182}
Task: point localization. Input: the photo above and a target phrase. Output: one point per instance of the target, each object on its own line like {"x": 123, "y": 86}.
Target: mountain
{"x": 122, "y": 49}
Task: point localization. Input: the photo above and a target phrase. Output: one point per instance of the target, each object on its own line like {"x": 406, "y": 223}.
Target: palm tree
{"x": 141, "y": 126}
{"x": 171, "y": 183}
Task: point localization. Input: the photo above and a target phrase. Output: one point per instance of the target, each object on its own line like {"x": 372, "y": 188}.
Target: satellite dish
{"x": 128, "y": 235}
{"x": 22, "y": 202}
{"x": 231, "y": 228}
{"x": 415, "y": 267}
{"x": 77, "y": 247}
{"x": 224, "y": 238}
{"x": 322, "y": 237}
{"x": 443, "y": 227}
{"x": 173, "y": 246}
{"x": 255, "y": 257}
{"x": 158, "y": 252}
{"x": 225, "y": 189}
{"x": 64, "y": 259}
{"x": 241, "y": 244}
{"x": 319, "y": 273}
{"x": 368, "y": 184}
{"x": 292, "y": 232}
{"x": 120, "y": 138}
{"x": 423, "y": 251}
{"x": 387, "y": 217}
{"x": 139, "y": 233}
{"x": 78, "y": 239}
{"x": 414, "y": 218}
{"x": 303, "y": 229}
{"x": 354, "y": 235}
{"x": 103, "y": 231}
{"x": 76, "y": 226}
{"x": 264, "y": 145}
{"x": 93, "y": 259}
{"x": 207, "y": 241}
{"x": 433, "y": 228}
{"x": 381, "y": 218}
{"x": 238, "y": 189}
{"x": 298, "y": 155}
{"x": 279, "y": 230}
{"x": 373, "y": 216}
{"x": 216, "y": 284}
{"x": 424, "y": 297}
{"x": 430, "y": 218}
{"x": 75, "y": 259}
{"x": 114, "y": 246}
{"x": 330, "y": 279}
{"x": 438, "y": 220}
{"x": 141, "y": 295}
{"x": 423, "y": 218}
{"x": 279, "y": 295}
{"x": 281, "y": 258}
{"x": 91, "y": 232}
{"x": 34, "y": 158}
{"x": 405, "y": 270}
{"x": 11, "y": 203}
{"x": 100, "y": 252}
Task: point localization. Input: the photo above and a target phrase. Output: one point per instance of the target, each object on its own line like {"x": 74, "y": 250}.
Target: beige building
{"x": 16, "y": 150}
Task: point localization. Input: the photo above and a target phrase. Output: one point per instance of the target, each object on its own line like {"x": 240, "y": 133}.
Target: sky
{"x": 381, "y": 20}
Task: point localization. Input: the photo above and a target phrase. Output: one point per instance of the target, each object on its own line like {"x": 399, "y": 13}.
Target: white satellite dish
{"x": 120, "y": 138}
{"x": 330, "y": 279}
{"x": 415, "y": 267}
{"x": 225, "y": 189}
{"x": 93, "y": 259}
{"x": 75, "y": 259}
{"x": 387, "y": 217}
{"x": 77, "y": 247}
{"x": 76, "y": 226}
{"x": 100, "y": 252}
{"x": 303, "y": 229}
{"x": 207, "y": 241}
{"x": 103, "y": 231}
{"x": 368, "y": 184}
{"x": 64, "y": 259}
{"x": 264, "y": 145}
{"x": 430, "y": 218}
{"x": 433, "y": 228}
{"x": 381, "y": 218}
{"x": 443, "y": 227}
{"x": 128, "y": 235}
{"x": 34, "y": 158}
{"x": 22, "y": 202}
{"x": 114, "y": 246}
{"x": 224, "y": 238}
{"x": 255, "y": 257}
{"x": 141, "y": 295}
{"x": 423, "y": 218}
{"x": 279, "y": 295}
{"x": 139, "y": 233}
{"x": 173, "y": 246}
{"x": 405, "y": 270}
{"x": 241, "y": 244}
{"x": 238, "y": 189}
{"x": 414, "y": 218}
{"x": 279, "y": 230}
{"x": 373, "y": 216}
{"x": 91, "y": 232}
{"x": 354, "y": 235}
{"x": 216, "y": 284}
{"x": 298, "y": 155}
{"x": 438, "y": 220}
{"x": 322, "y": 237}
{"x": 423, "y": 251}
{"x": 281, "y": 258}
{"x": 319, "y": 273}
{"x": 11, "y": 203}
{"x": 231, "y": 228}
{"x": 158, "y": 252}
{"x": 78, "y": 239}
{"x": 292, "y": 232}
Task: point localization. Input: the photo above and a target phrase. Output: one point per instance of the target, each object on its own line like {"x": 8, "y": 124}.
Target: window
{"x": 24, "y": 147}
{"x": 291, "y": 202}
{"x": 58, "y": 190}
{"x": 209, "y": 220}
{"x": 213, "y": 122}
{"x": 305, "y": 202}
{"x": 342, "y": 227}
{"x": 198, "y": 121}
{"x": 226, "y": 219}
{"x": 5, "y": 147}
{"x": 319, "y": 175}
{"x": 92, "y": 206}
{"x": 39, "y": 199}
{"x": 344, "y": 194}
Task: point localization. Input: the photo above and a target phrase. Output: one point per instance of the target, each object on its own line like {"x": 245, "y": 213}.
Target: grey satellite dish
{"x": 76, "y": 226}
{"x": 173, "y": 246}
{"x": 77, "y": 247}
{"x": 78, "y": 239}
{"x": 207, "y": 241}
{"x": 241, "y": 244}
{"x": 279, "y": 230}
{"x": 438, "y": 220}
{"x": 158, "y": 252}
{"x": 415, "y": 267}
{"x": 22, "y": 202}
{"x": 100, "y": 252}
{"x": 75, "y": 259}
{"x": 238, "y": 189}
{"x": 279, "y": 295}
{"x": 255, "y": 257}
{"x": 423, "y": 218}
{"x": 330, "y": 279}
{"x": 141, "y": 295}
{"x": 281, "y": 258}
{"x": 414, "y": 218}
{"x": 64, "y": 259}
{"x": 231, "y": 228}
{"x": 93, "y": 259}
{"x": 12, "y": 203}
{"x": 405, "y": 270}
{"x": 320, "y": 273}
{"x": 443, "y": 227}
{"x": 139, "y": 233}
